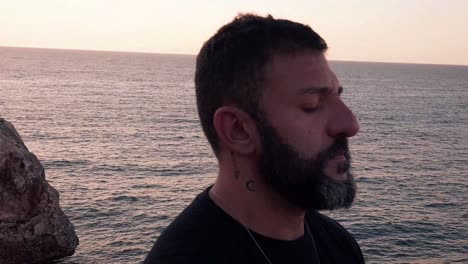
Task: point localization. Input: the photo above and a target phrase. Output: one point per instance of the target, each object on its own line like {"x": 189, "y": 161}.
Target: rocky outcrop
{"x": 33, "y": 228}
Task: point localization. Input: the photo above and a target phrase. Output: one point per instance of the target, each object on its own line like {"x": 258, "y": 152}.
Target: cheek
{"x": 313, "y": 141}
{"x": 305, "y": 133}
{"x": 305, "y": 139}
{"x": 319, "y": 137}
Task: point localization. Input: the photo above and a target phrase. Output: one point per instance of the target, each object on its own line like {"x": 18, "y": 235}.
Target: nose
{"x": 342, "y": 121}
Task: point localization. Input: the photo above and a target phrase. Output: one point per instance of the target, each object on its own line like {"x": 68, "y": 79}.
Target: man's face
{"x": 304, "y": 127}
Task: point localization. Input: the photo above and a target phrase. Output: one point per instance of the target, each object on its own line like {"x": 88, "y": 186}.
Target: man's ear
{"x": 235, "y": 129}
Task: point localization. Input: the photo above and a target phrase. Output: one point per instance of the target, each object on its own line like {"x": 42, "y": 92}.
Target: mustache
{"x": 340, "y": 145}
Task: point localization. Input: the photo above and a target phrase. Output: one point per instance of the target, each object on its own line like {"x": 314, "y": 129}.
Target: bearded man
{"x": 270, "y": 107}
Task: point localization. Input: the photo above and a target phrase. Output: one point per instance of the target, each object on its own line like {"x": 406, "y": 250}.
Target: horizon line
{"x": 186, "y": 54}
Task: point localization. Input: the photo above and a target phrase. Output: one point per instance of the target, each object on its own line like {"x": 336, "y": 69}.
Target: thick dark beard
{"x": 301, "y": 181}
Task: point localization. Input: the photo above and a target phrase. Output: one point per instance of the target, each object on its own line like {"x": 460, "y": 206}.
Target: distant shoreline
{"x": 193, "y": 55}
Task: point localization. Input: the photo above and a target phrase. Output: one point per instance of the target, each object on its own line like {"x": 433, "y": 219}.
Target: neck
{"x": 260, "y": 210}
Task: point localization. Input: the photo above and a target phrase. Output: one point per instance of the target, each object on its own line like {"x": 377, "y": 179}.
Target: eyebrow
{"x": 319, "y": 90}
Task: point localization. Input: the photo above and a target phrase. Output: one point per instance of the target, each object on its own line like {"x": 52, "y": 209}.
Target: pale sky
{"x": 415, "y": 31}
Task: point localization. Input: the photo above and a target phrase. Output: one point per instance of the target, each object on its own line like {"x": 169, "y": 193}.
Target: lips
{"x": 337, "y": 169}
{"x": 339, "y": 155}
{"x": 337, "y": 166}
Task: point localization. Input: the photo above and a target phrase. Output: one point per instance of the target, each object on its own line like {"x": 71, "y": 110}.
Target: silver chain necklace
{"x": 258, "y": 245}
{"x": 265, "y": 255}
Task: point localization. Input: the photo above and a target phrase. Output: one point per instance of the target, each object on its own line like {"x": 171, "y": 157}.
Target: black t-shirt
{"x": 204, "y": 233}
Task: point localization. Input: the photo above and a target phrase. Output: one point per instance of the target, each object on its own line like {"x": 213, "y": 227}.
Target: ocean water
{"x": 119, "y": 137}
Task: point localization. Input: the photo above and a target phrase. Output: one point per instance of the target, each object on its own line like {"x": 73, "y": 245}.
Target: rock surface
{"x": 33, "y": 228}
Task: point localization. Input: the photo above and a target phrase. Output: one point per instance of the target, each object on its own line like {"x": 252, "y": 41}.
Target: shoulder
{"x": 333, "y": 236}
{"x": 326, "y": 222}
{"x": 191, "y": 236}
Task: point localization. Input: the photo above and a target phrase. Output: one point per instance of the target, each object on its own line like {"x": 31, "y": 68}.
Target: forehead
{"x": 287, "y": 74}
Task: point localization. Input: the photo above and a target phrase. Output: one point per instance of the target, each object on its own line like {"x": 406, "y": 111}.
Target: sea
{"x": 119, "y": 137}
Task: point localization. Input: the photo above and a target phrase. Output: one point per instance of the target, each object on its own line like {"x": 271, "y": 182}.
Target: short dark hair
{"x": 231, "y": 64}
